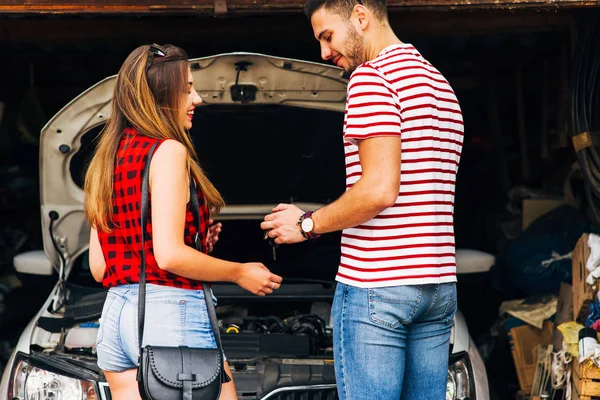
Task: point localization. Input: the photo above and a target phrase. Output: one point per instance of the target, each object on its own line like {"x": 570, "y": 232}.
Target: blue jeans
{"x": 392, "y": 343}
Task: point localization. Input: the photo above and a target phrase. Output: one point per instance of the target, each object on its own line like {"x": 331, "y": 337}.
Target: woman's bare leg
{"x": 228, "y": 389}
{"x": 123, "y": 385}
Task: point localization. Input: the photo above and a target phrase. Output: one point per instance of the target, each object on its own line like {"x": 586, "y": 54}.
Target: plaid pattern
{"x": 122, "y": 247}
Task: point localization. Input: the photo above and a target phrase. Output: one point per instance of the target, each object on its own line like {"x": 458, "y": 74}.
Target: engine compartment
{"x": 292, "y": 330}
{"x": 251, "y": 327}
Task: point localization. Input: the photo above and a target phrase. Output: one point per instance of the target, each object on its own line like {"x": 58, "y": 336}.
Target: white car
{"x": 269, "y": 131}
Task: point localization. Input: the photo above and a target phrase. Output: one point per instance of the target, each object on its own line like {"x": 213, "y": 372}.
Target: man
{"x": 403, "y": 131}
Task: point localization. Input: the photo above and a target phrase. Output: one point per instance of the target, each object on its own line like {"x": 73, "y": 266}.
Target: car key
{"x": 273, "y": 245}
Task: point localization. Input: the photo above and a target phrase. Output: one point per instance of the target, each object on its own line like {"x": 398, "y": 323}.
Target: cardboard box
{"x": 583, "y": 293}
{"x": 586, "y": 380}
{"x": 524, "y": 339}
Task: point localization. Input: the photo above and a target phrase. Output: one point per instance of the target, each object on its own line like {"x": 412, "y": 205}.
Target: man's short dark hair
{"x": 345, "y": 7}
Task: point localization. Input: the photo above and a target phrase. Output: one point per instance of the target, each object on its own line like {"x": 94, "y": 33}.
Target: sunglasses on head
{"x": 154, "y": 51}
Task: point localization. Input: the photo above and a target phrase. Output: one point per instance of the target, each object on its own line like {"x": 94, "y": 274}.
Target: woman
{"x": 154, "y": 100}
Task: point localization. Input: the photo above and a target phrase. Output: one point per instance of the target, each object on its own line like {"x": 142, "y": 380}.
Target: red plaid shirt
{"x": 122, "y": 247}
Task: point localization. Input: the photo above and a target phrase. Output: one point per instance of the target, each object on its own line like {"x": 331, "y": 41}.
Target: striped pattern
{"x": 412, "y": 243}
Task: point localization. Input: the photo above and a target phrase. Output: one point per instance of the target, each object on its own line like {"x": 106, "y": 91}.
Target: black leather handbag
{"x": 175, "y": 373}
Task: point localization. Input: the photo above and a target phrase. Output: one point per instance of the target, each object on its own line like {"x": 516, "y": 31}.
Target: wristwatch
{"x": 307, "y": 226}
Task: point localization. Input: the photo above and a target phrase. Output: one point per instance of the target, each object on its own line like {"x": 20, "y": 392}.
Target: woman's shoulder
{"x": 170, "y": 155}
{"x": 171, "y": 148}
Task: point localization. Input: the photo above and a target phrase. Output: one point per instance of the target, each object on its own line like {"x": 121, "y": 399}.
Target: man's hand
{"x": 282, "y": 224}
{"x": 213, "y": 234}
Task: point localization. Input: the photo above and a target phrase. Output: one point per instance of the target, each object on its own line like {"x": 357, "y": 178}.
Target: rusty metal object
{"x": 582, "y": 141}
{"x": 220, "y": 7}
{"x": 503, "y": 4}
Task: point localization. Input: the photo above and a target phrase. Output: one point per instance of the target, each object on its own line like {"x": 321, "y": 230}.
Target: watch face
{"x": 307, "y": 225}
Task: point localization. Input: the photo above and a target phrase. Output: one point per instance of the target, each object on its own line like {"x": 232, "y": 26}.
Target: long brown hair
{"x": 149, "y": 100}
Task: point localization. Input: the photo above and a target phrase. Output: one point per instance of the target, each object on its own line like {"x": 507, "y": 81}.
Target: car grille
{"x": 318, "y": 392}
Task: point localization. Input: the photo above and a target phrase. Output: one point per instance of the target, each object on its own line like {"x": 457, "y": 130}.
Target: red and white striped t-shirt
{"x": 400, "y": 94}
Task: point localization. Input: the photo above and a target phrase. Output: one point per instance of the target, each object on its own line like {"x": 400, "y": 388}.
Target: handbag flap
{"x": 166, "y": 365}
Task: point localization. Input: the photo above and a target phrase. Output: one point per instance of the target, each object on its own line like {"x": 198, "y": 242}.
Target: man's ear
{"x": 362, "y": 16}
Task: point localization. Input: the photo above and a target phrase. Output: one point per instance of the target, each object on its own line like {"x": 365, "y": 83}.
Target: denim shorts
{"x": 174, "y": 317}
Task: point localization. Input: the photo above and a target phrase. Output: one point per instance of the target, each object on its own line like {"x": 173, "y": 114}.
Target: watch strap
{"x": 311, "y": 234}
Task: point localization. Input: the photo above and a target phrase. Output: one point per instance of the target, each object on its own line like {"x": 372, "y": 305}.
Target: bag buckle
{"x": 186, "y": 377}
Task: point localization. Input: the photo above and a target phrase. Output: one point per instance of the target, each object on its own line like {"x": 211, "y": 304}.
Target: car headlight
{"x": 459, "y": 379}
{"x": 35, "y": 382}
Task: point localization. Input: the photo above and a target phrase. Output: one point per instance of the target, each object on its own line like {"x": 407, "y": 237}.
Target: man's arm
{"x": 376, "y": 190}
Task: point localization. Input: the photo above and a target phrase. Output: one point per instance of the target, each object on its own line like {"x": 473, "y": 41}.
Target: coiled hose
{"x": 585, "y": 110}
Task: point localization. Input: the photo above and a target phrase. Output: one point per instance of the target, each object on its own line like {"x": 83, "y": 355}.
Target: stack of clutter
{"x": 576, "y": 367}
{"x": 529, "y": 324}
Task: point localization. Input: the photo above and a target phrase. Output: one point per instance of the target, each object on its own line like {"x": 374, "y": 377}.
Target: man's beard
{"x": 355, "y": 49}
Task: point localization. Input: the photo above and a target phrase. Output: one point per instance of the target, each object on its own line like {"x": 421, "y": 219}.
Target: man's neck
{"x": 382, "y": 37}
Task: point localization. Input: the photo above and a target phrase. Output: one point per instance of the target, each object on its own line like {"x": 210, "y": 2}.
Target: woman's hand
{"x": 257, "y": 279}
{"x": 213, "y": 234}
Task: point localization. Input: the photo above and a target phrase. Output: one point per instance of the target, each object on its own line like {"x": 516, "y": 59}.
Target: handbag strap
{"x": 212, "y": 313}
{"x": 142, "y": 290}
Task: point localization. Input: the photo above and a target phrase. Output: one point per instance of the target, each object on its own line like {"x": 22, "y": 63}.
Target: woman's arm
{"x": 169, "y": 188}
{"x": 97, "y": 262}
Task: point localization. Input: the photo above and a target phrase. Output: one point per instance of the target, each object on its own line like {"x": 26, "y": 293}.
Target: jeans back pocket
{"x": 394, "y": 306}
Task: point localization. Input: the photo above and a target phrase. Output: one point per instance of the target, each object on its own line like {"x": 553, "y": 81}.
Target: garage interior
{"x": 511, "y": 64}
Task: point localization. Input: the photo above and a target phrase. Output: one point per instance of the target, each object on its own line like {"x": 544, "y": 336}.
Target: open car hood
{"x": 243, "y": 79}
